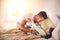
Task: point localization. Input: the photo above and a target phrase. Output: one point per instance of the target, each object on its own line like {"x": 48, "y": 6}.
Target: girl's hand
{"x": 34, "y": 32}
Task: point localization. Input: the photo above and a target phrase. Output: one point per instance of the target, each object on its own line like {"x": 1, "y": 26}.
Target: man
{"x": 42, "y": 20}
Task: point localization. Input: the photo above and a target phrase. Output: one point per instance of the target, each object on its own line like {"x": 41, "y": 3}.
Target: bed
{"x": 16, "y": 34}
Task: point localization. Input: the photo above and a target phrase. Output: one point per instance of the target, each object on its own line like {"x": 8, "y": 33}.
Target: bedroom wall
{"x": 3, "y": 11}
{"x": 4, "y": 23}
{"x": 32, "y": 6}
{"x": 57, "y": 8}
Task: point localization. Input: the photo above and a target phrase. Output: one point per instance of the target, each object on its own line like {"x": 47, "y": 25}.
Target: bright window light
{"x": 16, "y": 9}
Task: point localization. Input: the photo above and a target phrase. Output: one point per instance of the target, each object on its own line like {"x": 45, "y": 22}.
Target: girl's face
{"x": 38, "y": 19}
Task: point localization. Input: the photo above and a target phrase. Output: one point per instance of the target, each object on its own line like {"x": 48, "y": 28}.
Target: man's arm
{"x": 26, "y": 29}
{"x": 22, "y": 26}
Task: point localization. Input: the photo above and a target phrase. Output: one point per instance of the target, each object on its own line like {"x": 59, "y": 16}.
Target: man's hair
{"x": 43, "y": 14}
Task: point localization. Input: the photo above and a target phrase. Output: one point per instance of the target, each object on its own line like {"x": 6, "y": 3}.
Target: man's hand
{"x": 47, "y": 31}
{"x": 34, "y": 32}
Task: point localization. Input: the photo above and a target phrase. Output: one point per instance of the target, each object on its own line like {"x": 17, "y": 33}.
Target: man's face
{"x": 39, "y": 19}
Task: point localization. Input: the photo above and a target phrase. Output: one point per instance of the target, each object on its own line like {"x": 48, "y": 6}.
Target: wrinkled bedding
{"x": 16, "y": 34}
